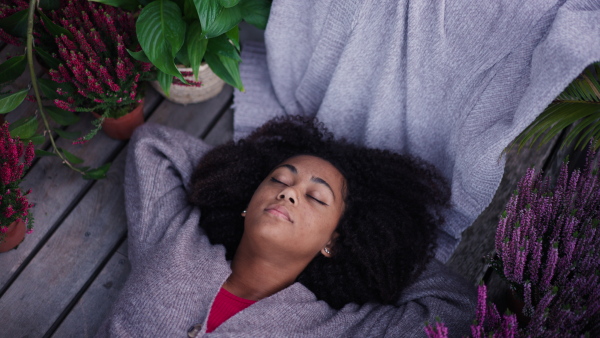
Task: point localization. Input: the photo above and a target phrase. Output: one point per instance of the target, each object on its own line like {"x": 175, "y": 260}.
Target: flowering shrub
{"x": 13, "y": 203}
{"x": 95, "y": 71}
{"x": 548, "y": 249}
{"x": 8, "y": 8}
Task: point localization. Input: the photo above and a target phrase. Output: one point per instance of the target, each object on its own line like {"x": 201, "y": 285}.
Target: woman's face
{"x": 295, "y": 210}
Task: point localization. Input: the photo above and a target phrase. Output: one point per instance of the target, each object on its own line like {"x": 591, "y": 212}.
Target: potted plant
{"x": 90, "y": 68}
{"x": 178, "y": 36}
{"x": 548, "y": 250}
{"x": 15, "y": 218}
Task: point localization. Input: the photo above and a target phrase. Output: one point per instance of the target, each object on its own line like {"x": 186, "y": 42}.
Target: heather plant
{"x": 9, "y": 8}
{"x": 548, "y": 250}
{"x": 15, "y": 158}
{"x": 90, "y": 64}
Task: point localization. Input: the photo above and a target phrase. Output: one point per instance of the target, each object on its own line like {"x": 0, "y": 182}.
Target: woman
{"x": 325, "y": 239}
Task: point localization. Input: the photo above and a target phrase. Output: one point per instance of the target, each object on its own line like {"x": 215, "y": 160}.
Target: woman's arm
{"x": 160, "y": 161}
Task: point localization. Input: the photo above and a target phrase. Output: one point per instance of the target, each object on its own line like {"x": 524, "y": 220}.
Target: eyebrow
{"x": 314, "y": 179}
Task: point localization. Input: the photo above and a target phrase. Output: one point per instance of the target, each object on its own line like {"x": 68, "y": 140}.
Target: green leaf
{"x": 207, "y": 11}
{"x": 224, "y": 22}
{"x": 12, "y": 68}
{"x": 16, "y": 24}
{"x": 55, "y": 29}
{"x": 8, "y": 102}
{"x": 40, "y": 152}
{"x": 69, "y": 135}
{"x": 225, "y": 68}
{"x": 62, "y": 117}
{"x": 189, "y": 11}
{"x": 256, "y": 12}
{"x": 222, "y": 46}
{"x": 50, "y": 4}
{"x": 228, "y": 3}
{"x": 70, "y": 157}
{"x": 140, "y": 56}
{"x": 234, "y": 36}
{"x": 24, "y": 128}
{"x": 182, "y": 56}
{"x": 50, "y": 87}
{"x": 51, "y": 62}
{"x": 97, "y": 173}
{"x": 161, "y": 33}
{"x": 129, "y": 5}
{"x": 165, "y": 81}
{"x": 196, "y": 47}
{"x": 36, "y": 139}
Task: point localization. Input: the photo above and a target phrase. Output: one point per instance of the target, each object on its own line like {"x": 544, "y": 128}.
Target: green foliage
{"x": 578, "y": 106}
{"x": 185, "y": 32}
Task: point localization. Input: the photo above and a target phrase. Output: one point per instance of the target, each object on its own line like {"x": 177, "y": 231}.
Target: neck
{"x": 253, "y": 277}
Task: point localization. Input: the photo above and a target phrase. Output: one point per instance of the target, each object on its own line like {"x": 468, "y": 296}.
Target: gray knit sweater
{"x": 452, "y": 81}
{"x": 176, "y": 273}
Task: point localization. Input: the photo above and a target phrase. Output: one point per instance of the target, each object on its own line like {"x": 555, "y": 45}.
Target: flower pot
{"x": 208, "y": 86}
{"x": 14, "y": 236}
{"x": 122, "y": 128}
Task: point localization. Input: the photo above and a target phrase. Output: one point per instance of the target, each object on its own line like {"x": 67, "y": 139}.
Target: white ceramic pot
{"x": 208, "y": 86}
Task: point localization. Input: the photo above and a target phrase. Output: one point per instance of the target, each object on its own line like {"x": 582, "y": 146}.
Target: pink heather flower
{"x": 99, "y": 45}
{"x": 121, "y": 70}
{"x": 29, "y": 231}
{"x": 439, "y": 331}
{"x": 3, "y": 229}
{"x": 98, "y": 100}
{"x": 56, "y": 76}
{"x": 65, "y": 74}
{"x": 63, "y": 105}
{"x": 9, "y": 211}
{"x": 5, "y": 174}
{"x": 481, "y": 303}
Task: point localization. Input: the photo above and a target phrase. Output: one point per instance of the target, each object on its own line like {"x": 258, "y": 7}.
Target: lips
{"x": 279, "y": 211}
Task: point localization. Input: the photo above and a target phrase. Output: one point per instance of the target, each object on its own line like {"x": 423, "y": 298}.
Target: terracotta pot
{"x": 122, "y": 128}
{"x": 14, "y": 236}
{"x": 210, "y": 86}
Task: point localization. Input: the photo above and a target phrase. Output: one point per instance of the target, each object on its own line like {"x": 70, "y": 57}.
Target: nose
{"x": 289, "y": 194}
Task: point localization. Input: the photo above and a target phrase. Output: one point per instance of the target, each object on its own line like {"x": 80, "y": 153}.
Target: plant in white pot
{"x": 182, "y": 38}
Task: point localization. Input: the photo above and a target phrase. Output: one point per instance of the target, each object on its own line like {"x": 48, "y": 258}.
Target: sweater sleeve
{"x": 160, "y": 161}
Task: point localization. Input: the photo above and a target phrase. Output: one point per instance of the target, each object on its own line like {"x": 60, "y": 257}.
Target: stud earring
{"x": 327, "y": 251}
{"x": 244, "y": 213}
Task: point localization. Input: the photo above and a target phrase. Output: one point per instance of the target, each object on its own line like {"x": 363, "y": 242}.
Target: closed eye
{"x": 273, "y": 179}
{"x": 320, "y": 202}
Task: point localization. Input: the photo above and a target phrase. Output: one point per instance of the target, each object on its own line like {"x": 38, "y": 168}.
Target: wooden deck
{"x": 62, "y": 280}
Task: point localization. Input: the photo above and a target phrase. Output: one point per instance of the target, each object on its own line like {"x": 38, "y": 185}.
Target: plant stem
{"x": 38, "y": 98}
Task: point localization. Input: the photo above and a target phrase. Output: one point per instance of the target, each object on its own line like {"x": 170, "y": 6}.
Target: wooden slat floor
{"x": 60, "y": 282}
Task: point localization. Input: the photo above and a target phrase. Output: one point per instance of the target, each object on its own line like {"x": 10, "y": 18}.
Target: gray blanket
{"x": 453, "y": 82}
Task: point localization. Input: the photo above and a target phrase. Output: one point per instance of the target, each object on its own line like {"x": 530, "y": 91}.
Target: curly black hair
{"x": 387, "y": 232}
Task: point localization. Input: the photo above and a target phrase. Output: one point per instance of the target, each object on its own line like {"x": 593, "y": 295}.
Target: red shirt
{"x": 225, "y": 306}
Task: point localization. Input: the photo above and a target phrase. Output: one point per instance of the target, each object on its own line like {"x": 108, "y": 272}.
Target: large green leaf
{"x": 50, "y": 87}
{"x": 69, "y": 135}
{"x": 189, "y": 11}
{"x": 8, "y": 102}
{"x": 62, "y": 117}
{"x": 161, "y": 33}
{"x": 98, "y": 173}
{"x": 12, "y": 68}
{"x": 16, "y": 24}
{"x": 234, "y": 36}
{"x": 139, "y": 55}
{"x": 165, "y": 81}
{"x": 55, "y": 29}
{"x": 24, "y": 127}
{"x": 229, "y": 3}
{"x": 226, "y": 68}
{"x": 70, "y": 157}
{"x": 49, "y": 4}
{"x": 129, "y": 5}
{"x": 196, "y": 46}
{"x": 256, "y": 12}
{"x": 225, "y": 21}
{"x": 207, "y": 11}
{"x": 221, "y": 45}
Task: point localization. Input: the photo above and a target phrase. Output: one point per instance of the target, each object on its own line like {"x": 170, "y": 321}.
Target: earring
{"x": 244, "y": 213}
{"x": 327, "y": 251}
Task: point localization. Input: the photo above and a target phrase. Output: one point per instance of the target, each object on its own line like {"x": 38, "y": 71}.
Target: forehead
{"x": 309, "y": 164}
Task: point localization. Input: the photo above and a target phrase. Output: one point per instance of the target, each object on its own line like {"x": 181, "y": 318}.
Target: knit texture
{"x": 176, "y": 273}
{"x": 452, "y": 82}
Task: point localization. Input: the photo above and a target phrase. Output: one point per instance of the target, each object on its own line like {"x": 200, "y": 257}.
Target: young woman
{"x": 300, "y": 235}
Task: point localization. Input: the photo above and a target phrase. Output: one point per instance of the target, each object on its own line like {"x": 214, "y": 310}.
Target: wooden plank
{"x": 55, "y": 188}
{"x": 222, "y": 131}
{"x": 478, "y": 239}
{"x": 85, "y": 239}
{"x": 87, "y": 315}
{"x": 81, "y": 321}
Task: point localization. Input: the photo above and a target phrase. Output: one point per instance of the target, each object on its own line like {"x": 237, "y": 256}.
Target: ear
{"x": 327, "y": 251}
